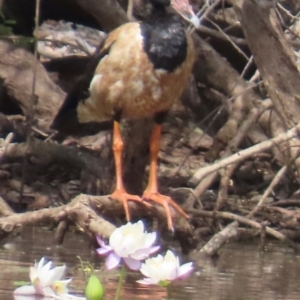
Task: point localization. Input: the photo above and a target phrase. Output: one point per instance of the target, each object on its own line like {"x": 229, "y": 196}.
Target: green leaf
{"x": 10, "y": 22}
{"x": 4, "y": 30}
{"x": 164, "y": 283}
{"x": 2, "y": 15}
{"x": 21, "y": 283}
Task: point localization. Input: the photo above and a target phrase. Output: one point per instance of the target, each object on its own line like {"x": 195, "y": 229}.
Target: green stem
{"x": 120, "y": 283}
{"x": 168, "y": 287}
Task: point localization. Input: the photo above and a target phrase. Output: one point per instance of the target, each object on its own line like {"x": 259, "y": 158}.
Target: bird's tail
{"x": 67, "y": 119}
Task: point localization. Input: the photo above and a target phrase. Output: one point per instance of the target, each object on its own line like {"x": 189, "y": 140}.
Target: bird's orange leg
{"x": 151, "y": 192}
{"x": 120, "y": 192}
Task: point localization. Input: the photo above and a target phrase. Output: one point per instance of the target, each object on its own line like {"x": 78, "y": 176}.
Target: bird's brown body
{"x": 142, "y": 70}
{"x": 125, "y": 80}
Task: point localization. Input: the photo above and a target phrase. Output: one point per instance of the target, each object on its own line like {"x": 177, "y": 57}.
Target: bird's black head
{"x": 160, "y": 3}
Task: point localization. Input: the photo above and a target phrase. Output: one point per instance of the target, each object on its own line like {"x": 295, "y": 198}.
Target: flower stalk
{"x": 168, "y": 287}
{"x": 121, "y": 281}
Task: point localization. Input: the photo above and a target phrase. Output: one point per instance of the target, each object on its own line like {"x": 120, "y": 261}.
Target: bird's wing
{"x": 66, "y": 119}
{"x": 101, "y": 51}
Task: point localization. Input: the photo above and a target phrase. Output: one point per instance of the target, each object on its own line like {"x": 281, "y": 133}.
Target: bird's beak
{"x": 184, "y": 8}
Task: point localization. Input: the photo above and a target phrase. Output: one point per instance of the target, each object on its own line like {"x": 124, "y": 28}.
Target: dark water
{"x": 241, "y": 272}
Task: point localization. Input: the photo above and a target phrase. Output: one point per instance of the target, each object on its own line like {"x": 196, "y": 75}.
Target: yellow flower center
{"x": 57, "y": 287}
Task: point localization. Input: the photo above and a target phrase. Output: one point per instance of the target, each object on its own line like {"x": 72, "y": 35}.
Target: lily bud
{"x": 94, "y": 289}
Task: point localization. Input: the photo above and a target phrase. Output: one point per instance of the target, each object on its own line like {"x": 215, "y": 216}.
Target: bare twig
{"x": 86, "y": 211}
{"x": 282, "y": 8}
{"x": 130, "y": 9}
{"x": 230, "y": 40}
{"x": 241, "y": 155}
{"x": 223, "y": 189}
{"x": 5, "y": 144}
{"x": 222, "y": 35}
{"x": 34, "y": 99}
{"x": 232, "y": 146}
{"x": 206, "y": 9}
{"x": 246, "y": 221}
{"x": 274, "y": 182}
{"x": 249, "y": 63}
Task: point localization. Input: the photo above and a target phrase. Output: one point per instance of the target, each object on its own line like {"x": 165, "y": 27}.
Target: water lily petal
{"x": 130, "y": 238}
{"x": 100, "y": 241}
{"x": 112, "y": 261}
{"x": 46, "y": 282}
{"x": 162, "y": 270}
{"x": 104, "y": 251}
{"x": 170, "y": 256}
{"x": 152, "y": 270}
{"x": 45, "y": 268}
{"x": 185, "y": 270}
{"x": 33, "y": 273}
{"x": 142, "y": 254}
{"x": 22, "y": 297}
{"x": 140, "y": 226}
{"x": 40, "y": 264}
{"x": 152, "y": 250}
{"x": 146, "y": 281}
{"x": 25, "y": 290}
{"x": 60, "y": 286}
{"x": 71, "y": 297}
{"x": 128, "y": 245}
{"x": 116, "y": 239}
{"x": 48, "y": 292}
{"x": 43, "y": 273}
{"x": 55, "y": 274}
{"x": 171, "y": 271}
{"x": 150, "y": 239}
{"x": 132, "y": 264}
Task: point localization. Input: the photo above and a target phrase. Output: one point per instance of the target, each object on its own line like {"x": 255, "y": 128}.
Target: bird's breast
{"x": 126, "y": 80}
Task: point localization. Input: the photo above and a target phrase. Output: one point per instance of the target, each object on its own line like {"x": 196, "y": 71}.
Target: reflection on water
{"x": 242, "y": 271}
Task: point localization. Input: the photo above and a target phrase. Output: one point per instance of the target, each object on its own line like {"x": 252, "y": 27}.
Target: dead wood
{"x": 85, "y": 211}
{"x": 270, "y": 48}
{"x": 268, "y": 191}
{"x": 242, "y": 106}
{"x": 45, "y": 154}
{"x": 219, "y": 239}
{"x": 17, "y": 125}
{"x": 78, "y": 211}
{"x": 242, "y": 132}
{"x": 292, "y": 5}
{"x": 210, "y": 68}
{"x": 61, "y": 40}
{"x": 108, "y": 13}
{"x": 16, "y": 70}
{"x": 206, "y": 181}
{"x": 242, "y": 220}
{"x": 5, "y": 209}
{"x": 200, "y": 174}
{"x": 60, "y": 232}
{"x": 48, "y": 153}
{"x": 222, "y": 36}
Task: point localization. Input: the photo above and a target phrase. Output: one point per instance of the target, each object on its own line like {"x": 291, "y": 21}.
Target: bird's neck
{"x": 158, "y": 10}
{"x": 164, "y": 40}
{"x": 158, "y": 15}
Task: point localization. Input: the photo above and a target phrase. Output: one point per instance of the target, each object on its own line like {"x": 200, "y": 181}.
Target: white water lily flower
{"x": 130, "y": 243}
{"x": 46, "y": 281}
{"x": 161, "y": 270}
